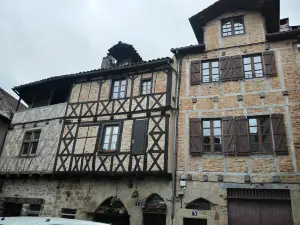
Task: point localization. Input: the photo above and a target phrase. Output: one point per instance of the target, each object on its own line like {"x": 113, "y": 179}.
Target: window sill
{"x": 110, "y": 152}
{"x": 27, "y": 156}
{"x": 234, "y": 35}
{"x": 114, "y": 99}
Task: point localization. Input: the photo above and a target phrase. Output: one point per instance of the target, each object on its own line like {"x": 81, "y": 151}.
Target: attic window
{"x": 233, "y": 26}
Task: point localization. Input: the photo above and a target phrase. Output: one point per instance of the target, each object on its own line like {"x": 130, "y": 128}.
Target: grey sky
{"x": 44, "y": 38}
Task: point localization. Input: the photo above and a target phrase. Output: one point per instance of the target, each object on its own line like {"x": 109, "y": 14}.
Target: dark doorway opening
{"x": 154, "y": 219}
{"x": 12, "y": 209}
{"x": 188, "y": 221}
{"x": 112, "y": 211}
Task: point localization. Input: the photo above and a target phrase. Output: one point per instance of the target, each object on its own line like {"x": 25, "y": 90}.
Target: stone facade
{"x": 87, "y": 195}
{"x": 239, "y": 98}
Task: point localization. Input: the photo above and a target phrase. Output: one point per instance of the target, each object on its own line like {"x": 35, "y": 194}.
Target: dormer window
{"x": 233, "y": 26}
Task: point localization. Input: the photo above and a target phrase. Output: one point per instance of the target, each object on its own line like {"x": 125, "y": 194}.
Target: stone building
{"x": 238, "y": 159}
{"x": 96, "y": 145}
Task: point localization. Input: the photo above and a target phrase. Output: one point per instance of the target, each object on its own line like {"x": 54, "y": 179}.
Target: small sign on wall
{"x": 194, "y": 213}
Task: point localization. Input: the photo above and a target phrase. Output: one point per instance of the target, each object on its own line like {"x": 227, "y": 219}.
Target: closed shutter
{"x": 242, "y": 135}
{"x": 237, "y": 67}
{"x": 195, "y": 137}
{"x": 140, "y": 137}
{"x": 195, "y": 75}
{"x": 225, "y": 68}
{"x": 270, "y": 64}
{"x": 279, "y": 134}
{"x": 228, "y": 135}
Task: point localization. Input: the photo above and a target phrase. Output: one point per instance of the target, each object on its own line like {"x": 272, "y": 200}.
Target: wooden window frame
{"x": 101, "y": 137}
{"x": 210, "y": 74}
{"x": 141, "y": 85}
{"x": 212, "y": 143}
{"x": 30, "y": 142}
{"x": 119, "y": 89}
{"x": 232, "y": 22}
{"x": 260, "y": 135}
{"x": 252, "y": 64}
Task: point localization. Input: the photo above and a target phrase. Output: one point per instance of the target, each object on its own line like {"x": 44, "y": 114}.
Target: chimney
{"x": 108, "y": 62}
{"x": 284, "y": 24}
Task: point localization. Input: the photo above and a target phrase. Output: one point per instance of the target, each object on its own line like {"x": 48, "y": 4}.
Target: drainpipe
{"x": 177, "y": 91}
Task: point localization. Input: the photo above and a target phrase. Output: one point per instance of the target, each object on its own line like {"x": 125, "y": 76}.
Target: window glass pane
{"x": 116, "y": 130}
{"x": 217, "y": 131}
{"x": 114, "y": 138}
{"x": 215, "y": 64}
{"x": 254, "y": 148}
{"x": 215, "y": 71}
{"x": 33, "y": 148}
{"x": 258, "y": 66}
{"x": 123, "y": 82}
{"x": 25, "y": 149}
{"x": 247, "y": 60}
{"x": 206, "y": 132}
{"x": 268, "y": 147}
{"x": 205, "y": 72}
{"x": 106, "y": 139}
{"x": 205, "y": 79}
{"x": 122, "y": 88}
{"x": 217, "y": 123}
{"x": 266, "y": 139}
{"x": 107, "y": 131}
{"x": 28, "y": 135}
{"x": 206, "y": 124}
{"x": 253, "y": 138}
{"x": 206, "y": 140}
{"x": 122, "y": 94}
{"x": 37, "y": 135}
{"x": 257, "y": 59}
{"x": 116, "y": 84}
{"x": 218, "y": 148}
{"x": 265, "y": 130}
{"x": 205, "y": 65}
{"x": 115, "y": 95}
{"x": 252, "y": 122}
{"x": 206, "y": 148}
{"x": 113, "y": 146}
{"x": 248, "y": 74}
{"x": 265, "y": 121}
{"x": 215, "y": 77}
{"x": 247, "y": 67}
{"x": 105, "y": 146}
{"x": 259, "y": 73}
{"x": 116, "y": 89}
{"x": 217, "y": 140}
{"x": 253, "y": 130}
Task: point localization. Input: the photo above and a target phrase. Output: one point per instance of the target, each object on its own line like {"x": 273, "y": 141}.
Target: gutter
{"x": 178, "y": 81}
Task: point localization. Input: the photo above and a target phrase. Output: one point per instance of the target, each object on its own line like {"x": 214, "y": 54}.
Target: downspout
{"x": 177, "y": 91}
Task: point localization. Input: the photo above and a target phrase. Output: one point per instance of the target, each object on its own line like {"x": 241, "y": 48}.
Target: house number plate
{"x": 194, "y": 213}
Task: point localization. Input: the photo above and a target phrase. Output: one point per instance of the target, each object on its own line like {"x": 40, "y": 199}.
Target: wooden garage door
{"x": 259, "y": 209}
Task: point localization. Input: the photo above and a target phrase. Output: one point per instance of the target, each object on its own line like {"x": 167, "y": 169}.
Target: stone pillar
{"x": 295, "y": 200}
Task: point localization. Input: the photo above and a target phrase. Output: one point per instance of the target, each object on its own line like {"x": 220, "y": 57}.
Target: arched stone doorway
{"x": 112, "y": 211}
{"x": 154, "y": 210}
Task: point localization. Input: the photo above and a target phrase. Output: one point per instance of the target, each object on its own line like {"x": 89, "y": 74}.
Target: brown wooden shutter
{"x": 270, "y": 64}
{"x": 225, "y": 68}
{"x": 279, "y": 134}
{"x": 140, "y": 137}
{"x": 195, "y": 137}
{"x": 195, "y": 75}
{"x": 228, "y": 135}
{"x": 237, "y": 67}
{"x": 242, "y": 135}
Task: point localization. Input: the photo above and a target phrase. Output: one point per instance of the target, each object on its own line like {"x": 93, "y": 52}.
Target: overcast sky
{"x": 44, "y": 38}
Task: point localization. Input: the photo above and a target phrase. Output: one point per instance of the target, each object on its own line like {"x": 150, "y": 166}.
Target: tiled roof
{"x": 8, "y": 104}
{"x": 189, "y": 49}
{"x": 96, "y": 71}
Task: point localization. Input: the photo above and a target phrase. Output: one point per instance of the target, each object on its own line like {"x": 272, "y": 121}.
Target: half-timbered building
{"x": 238, "y": 144}
{"x": 95, "y": 145}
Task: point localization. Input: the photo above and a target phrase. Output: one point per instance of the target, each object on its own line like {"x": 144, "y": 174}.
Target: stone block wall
{"x": 87, "y": 195}
{"x": 252, "y": 104}
{"x": 254, "y": 31}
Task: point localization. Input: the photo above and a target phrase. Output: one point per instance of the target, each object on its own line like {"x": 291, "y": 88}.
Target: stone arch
{"x": 154, "y": 203}
{"x": 112, "y": 211}
{"x": 199, "y": 204}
